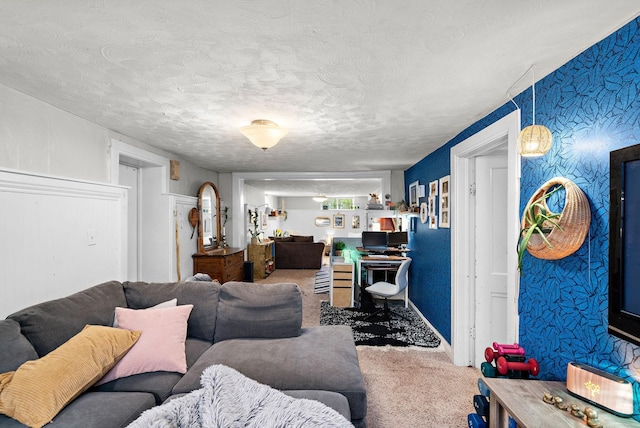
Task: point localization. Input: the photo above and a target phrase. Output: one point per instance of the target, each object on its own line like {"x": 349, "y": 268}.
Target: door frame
{"x": 156, "y": 183}
{"x": 463, "y": 225}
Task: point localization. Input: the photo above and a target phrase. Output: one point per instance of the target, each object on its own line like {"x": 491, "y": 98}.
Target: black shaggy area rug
{"x": 376, "y": 332}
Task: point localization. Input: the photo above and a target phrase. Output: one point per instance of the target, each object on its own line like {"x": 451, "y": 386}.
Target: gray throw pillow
{"x": 249, "y": 310}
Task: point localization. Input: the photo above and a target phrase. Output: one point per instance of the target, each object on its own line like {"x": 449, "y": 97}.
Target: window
{"x": 339, "y": 204}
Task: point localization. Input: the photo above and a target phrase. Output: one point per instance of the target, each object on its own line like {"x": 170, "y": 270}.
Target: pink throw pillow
{"x": 161, "y": 346}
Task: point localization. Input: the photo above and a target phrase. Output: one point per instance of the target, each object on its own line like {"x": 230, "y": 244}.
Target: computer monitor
{"x": 395, "y": 239}
{"x": 374, "y": 241}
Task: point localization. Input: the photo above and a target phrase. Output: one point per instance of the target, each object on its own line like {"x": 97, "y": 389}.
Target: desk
{"x": 390, "y": 263}
{"x": 522, "y": 400}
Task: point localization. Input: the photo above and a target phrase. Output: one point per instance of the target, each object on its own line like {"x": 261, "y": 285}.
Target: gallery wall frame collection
{"x": 436, "y": 209}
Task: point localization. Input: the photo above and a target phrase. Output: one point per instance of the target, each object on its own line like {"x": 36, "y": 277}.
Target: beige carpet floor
{"x": 406, "y": 387}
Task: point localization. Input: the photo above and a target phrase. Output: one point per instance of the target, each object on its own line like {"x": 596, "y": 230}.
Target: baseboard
{"x": 444, "y": 345}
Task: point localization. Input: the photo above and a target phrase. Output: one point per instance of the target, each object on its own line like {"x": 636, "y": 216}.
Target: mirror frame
{"x": 201, "y": 247}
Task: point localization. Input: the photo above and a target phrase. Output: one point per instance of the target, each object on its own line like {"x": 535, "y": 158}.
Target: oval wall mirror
{"x": 323, "y": 221}
{"x": 209, "y": 224}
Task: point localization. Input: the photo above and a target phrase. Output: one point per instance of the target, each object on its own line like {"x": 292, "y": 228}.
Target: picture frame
{"x": 424, "y": 212}
{"x": 433, "y": 188}
{"x": 413, "y": 193}
{"x": 264, "y": 222}
{"x": 433, "y": 218}
{"x": 355, "y": 222}
{"x": 444, "y": 212}
{"x": 338, "y": 221}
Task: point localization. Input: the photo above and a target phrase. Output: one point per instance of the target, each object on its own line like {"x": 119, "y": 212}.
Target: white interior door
{"x": 491, "y": 253}
{"x": 128, "y": 176}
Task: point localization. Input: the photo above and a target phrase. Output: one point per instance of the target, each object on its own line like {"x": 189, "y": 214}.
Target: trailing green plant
{"x": 537, "y": 219}
{"x": 253, "y": 220}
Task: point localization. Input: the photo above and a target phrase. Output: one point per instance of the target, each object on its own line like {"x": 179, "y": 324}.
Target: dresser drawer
{"x": 341, "y": 297}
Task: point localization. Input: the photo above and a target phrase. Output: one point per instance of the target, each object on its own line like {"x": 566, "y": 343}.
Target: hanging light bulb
{"x": 534, "y": 140}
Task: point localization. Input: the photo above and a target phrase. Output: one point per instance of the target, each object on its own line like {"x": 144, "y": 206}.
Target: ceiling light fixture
{"x": 320, "y": 198}
{"x": 534, "y": 140}
{"x": 264, "y": 133}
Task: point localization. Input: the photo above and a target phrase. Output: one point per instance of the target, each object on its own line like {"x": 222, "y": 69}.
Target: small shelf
{"x": 262, "y": 257}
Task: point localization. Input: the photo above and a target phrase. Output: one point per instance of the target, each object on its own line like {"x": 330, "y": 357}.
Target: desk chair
{"x": 385, "y": 290}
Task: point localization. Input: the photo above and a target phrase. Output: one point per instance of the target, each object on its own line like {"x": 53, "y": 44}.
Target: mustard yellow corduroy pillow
{"x": 39, "y": 389}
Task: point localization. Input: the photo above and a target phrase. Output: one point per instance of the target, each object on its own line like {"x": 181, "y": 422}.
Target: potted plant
{"x": 254, "y": 230}
{"x": 537, "y": 219}
{"x": 338, "y": 246}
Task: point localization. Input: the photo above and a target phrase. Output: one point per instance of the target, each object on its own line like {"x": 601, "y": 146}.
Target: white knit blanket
{"x": 229, "y": 399}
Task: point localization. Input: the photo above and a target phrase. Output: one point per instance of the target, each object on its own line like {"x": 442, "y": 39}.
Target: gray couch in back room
{"x": 253, "y": 328}
{"x": 298, "y": 252}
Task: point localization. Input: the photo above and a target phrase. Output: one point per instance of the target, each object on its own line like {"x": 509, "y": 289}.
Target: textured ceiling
{"x": 361, "y": 84}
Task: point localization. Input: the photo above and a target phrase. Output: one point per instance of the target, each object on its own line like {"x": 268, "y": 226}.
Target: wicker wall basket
{"x": 574, "y": 221}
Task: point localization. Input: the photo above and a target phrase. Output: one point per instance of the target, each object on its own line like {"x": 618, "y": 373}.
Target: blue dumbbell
{"x": 481, "y": 404}
{"x": 483, "y": 388}
{"x": 475, "y": 421}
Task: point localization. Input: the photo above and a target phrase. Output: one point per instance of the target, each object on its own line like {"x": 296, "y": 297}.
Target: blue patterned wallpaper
{"x": 592, "y": 106}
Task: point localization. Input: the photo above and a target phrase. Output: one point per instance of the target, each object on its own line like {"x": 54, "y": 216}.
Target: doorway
{"x": 146, "y": 176}
{"x": 485, "y": 175}
{"x": 129, "y": 176}
{"x": 490, "y": 288}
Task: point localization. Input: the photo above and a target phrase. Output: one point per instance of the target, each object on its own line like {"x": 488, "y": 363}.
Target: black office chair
{"x": 385, "y": 290}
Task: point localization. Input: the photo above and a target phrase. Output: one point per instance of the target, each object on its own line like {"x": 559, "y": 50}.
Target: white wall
{"x": 58, "y": 237}
{"x": 43, "y": 241}
{"x": 39, "y": 138}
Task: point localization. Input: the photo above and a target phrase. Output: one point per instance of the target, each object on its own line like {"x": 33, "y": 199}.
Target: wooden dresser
{"x": 224, "y": 264}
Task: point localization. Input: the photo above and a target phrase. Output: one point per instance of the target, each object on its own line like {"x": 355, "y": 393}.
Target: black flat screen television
{"x": 395, "y": 239}
{"x": 624, "y": 244}
{"x": 374, "y": 241}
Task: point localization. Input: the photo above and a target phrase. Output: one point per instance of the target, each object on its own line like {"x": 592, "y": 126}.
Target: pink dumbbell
{"x": 502, "y": 349}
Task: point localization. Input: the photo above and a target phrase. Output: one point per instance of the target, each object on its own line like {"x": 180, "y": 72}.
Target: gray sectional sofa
{"x": 253, "y": 328}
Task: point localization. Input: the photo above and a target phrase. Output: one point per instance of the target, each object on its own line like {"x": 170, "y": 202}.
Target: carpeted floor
{"x": 407, "y": 331}
{"x": 406, "y": 386}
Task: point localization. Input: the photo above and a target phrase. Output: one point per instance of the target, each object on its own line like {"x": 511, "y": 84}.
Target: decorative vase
{"x": 338, "y": 253}
{"x": 254, "y": 240}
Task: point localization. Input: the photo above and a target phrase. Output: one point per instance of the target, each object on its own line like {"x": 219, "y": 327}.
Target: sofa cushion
{"x": 159, "y": 384}
{"x": 336, "y": 401}
{"x": 39, "y": 389}
{"x": 202, "y": 295}
{"x": 15, "y": 349}
{"x": 161, "y": 346}
{"x": 321, "y": 358}
{"x": 297, "y": 238}
{"x": 103, "y": 410}
{"x": 50, "y": 324}
{"x": 258, "y": 310}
